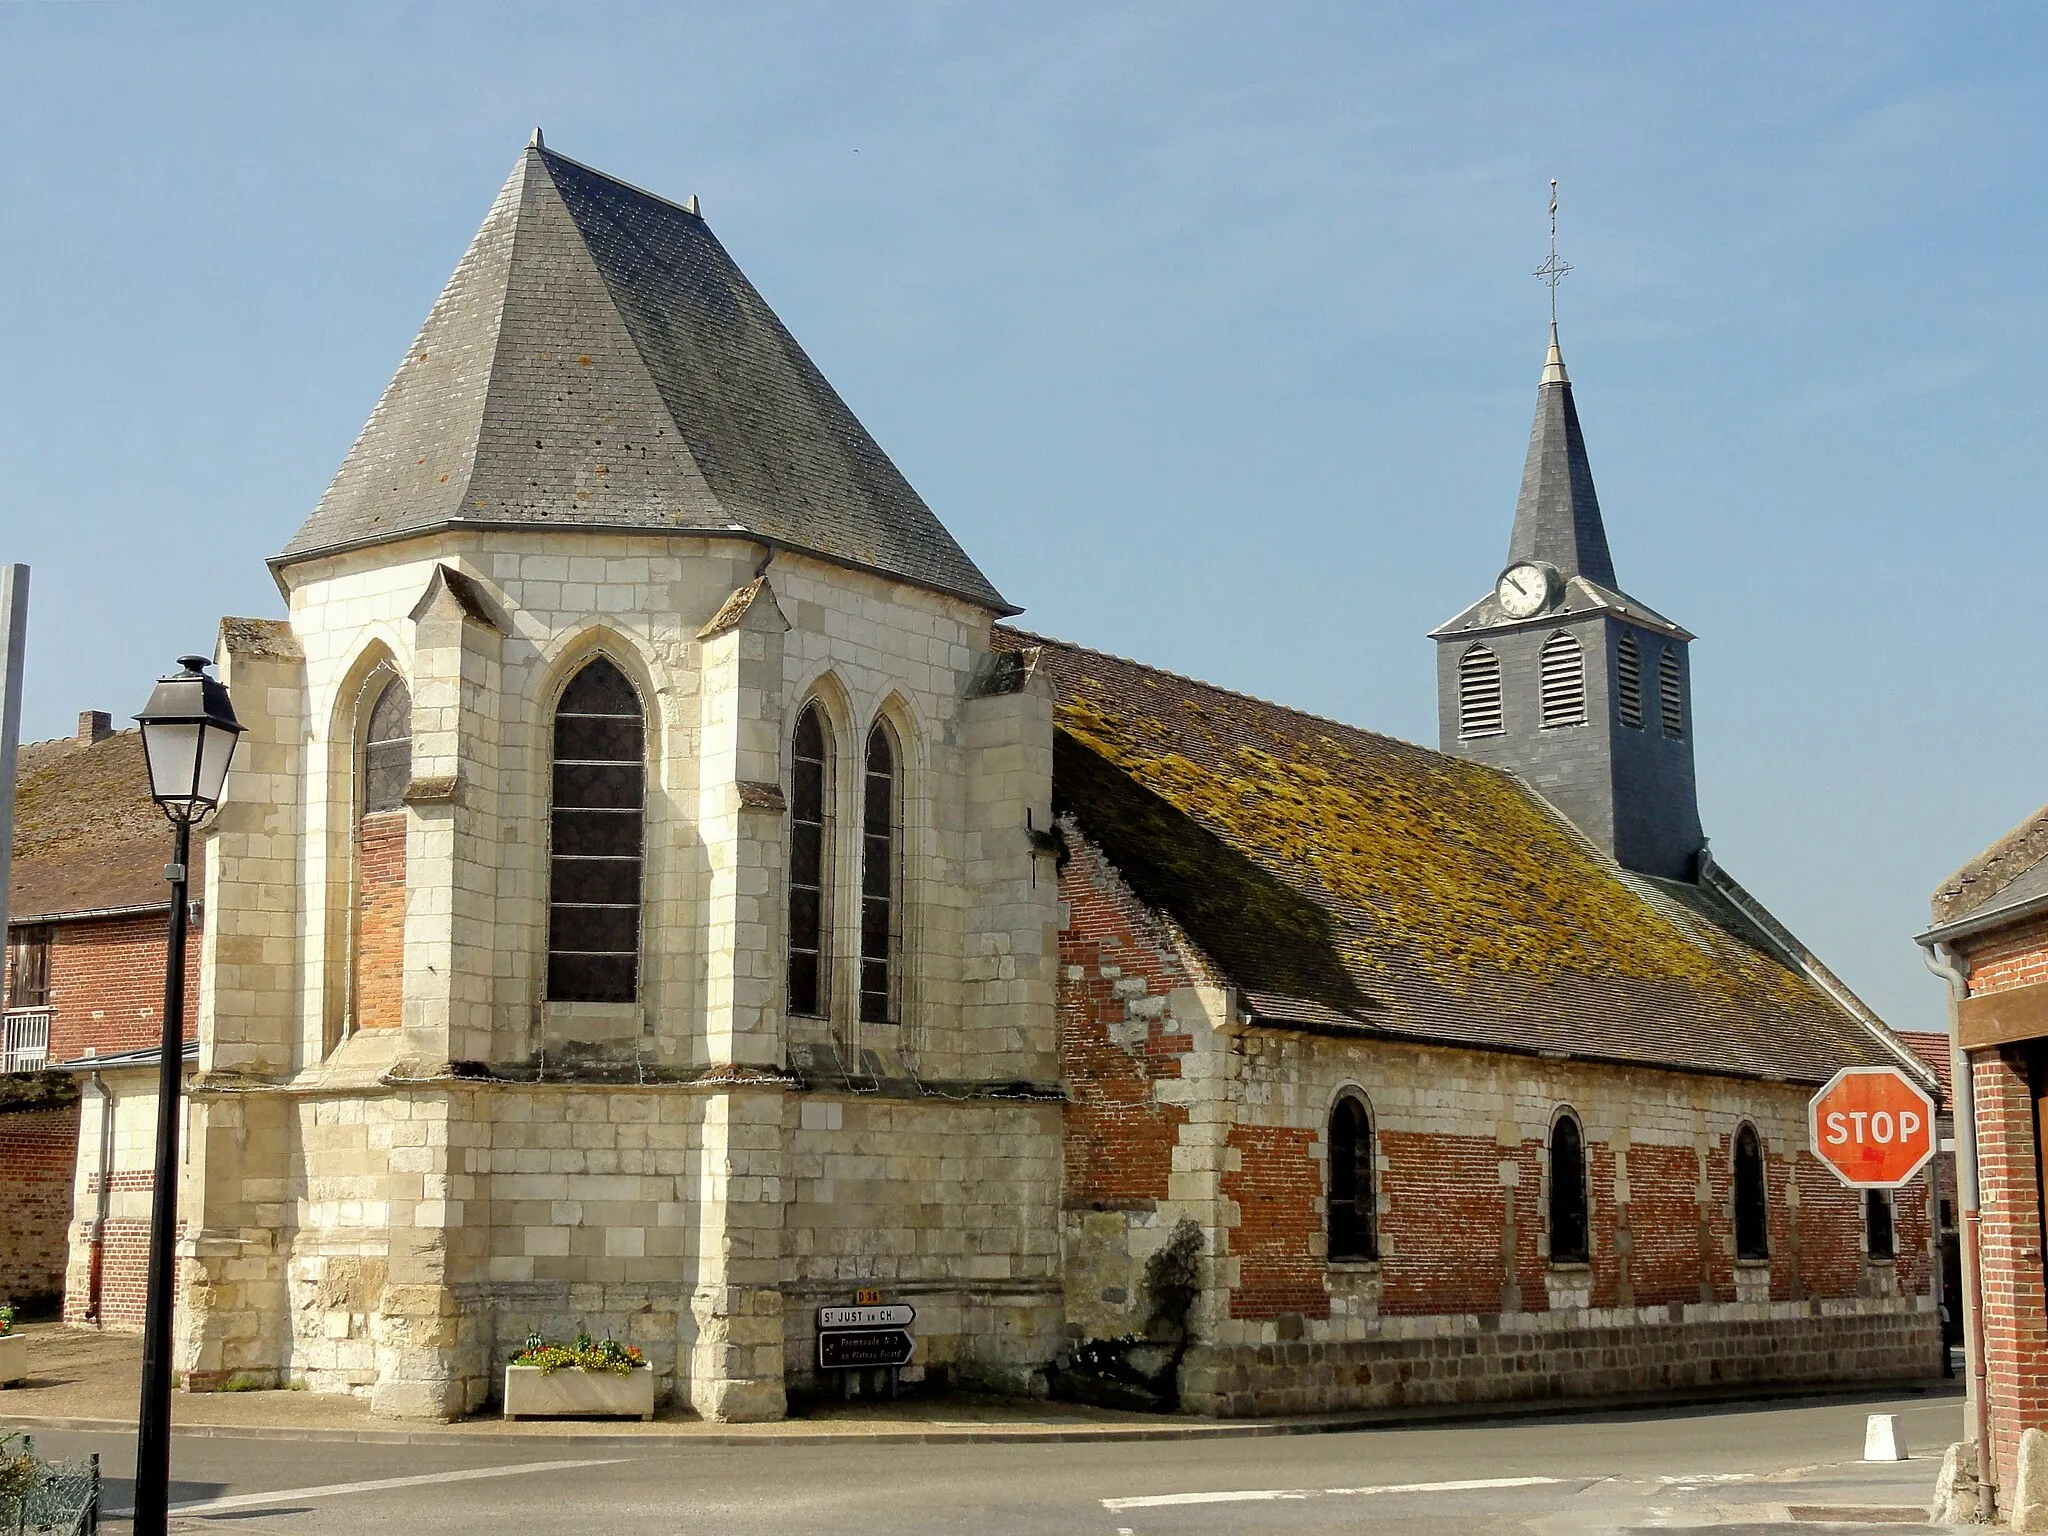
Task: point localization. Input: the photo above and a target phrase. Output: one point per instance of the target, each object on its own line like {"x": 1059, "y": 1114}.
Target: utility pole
{"x": 13, "y": 649}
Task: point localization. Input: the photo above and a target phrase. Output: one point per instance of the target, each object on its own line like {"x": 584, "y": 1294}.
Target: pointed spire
{"x": 536, "y": 142}
{"x": 1557, "y": 516}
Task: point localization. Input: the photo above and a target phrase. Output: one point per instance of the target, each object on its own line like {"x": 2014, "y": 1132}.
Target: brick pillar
{"x": 2015, "y": 1316}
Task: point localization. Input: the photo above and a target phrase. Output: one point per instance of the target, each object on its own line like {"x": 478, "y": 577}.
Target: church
{"x": 661, "y": 892}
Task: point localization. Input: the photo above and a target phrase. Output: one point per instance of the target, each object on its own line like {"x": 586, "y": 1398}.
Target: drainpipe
{"x": 1955, "y": 970}
{"x": 96, "y": 1267}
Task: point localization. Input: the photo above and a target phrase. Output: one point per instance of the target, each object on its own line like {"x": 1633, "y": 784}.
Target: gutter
{"x": 1955, "y": 970}
{"x": 1978, "y": 922}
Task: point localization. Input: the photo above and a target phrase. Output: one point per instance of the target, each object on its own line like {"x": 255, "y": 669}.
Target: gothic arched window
{"x": 1670, "y": 693}
{"x": 879, "y": 877}
{"x": 1479, "y": 707}
{"x": 1569, "y": 1238}
{"x": 1752, "y": 1219}
{"x": 1880, "y": 1238}
{"x": 387, "y": 750}
{"x": 378, "y": 987}
{"x": 595, "y": 839}
{"x": 1354, "y": 1234}
{"x": 1628, "y": 674}
{"x": 810, "y": 782}
{"x": 1563, "y": 681}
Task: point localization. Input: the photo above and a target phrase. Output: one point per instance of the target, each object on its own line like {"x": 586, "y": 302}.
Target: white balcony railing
{"x": 24, "y": 1039}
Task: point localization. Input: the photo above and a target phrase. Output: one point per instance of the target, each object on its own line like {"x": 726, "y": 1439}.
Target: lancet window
{"x": 880, "y": 878}
{"x": 809, "y": 810}
{"x": 596, "y": 839}
{"x": 1569, "y": 1237}
{"x": 1354, "y": 1234}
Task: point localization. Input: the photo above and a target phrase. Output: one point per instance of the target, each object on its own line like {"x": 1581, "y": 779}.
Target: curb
{"x": 1211, "y": 1429}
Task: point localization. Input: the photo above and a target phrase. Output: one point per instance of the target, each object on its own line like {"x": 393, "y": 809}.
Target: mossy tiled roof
{"x": 1348, "y": 881}
{"x": 87, "y": 837}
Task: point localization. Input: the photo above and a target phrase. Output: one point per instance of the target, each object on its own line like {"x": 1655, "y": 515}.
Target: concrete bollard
{"x": 1881, "y": 1440}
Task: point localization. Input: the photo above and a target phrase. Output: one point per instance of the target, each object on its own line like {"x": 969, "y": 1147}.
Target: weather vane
{"x": 1553, "y": 271}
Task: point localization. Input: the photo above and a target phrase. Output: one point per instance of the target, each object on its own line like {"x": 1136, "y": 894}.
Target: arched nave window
{"x": 809, "y": 811}
{"x": 1354, "y": 1234}
{"x": 596, "y": 839}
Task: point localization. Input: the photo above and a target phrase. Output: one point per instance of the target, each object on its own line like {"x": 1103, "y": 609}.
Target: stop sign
{"x": 1873, "y": 1125}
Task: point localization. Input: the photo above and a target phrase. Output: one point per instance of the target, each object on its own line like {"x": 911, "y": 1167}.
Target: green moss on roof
{"x": 1412, "y": 892}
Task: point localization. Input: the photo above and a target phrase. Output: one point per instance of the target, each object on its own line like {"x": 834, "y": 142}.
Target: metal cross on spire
{"x": 1553, "y": 271}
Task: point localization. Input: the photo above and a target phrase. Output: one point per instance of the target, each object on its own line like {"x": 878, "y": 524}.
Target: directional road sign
{"x": 852, "y": 1349}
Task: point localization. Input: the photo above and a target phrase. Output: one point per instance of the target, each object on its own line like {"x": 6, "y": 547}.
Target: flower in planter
{"x": 580, "y": 1353}
{"x": 6, "y": 1320}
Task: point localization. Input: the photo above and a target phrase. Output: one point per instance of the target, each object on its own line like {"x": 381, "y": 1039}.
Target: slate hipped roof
{"x": 1557, "y": 516}
{"x": 599, "y": 362}
{"x": 1353, "y": 884}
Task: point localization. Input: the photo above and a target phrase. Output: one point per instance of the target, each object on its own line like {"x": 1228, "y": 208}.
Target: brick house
{"x": 87, "y": 918}
{"x": 1990, "y": 937}
{"x": 658, "y": 893}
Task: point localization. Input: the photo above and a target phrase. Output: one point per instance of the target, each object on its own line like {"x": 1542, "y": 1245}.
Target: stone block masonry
{"x": 1596, "y": 1353}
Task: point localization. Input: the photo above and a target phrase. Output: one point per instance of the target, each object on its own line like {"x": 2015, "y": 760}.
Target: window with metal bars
{"x": 1479, "y": 702}
{"x": 596, "y": 839}
{"x": 1752, "y": 1217}
{"x": 1353, "y": 1232}
{"x": 810, "y": 783}
{"x": 1628, "y": 675}
{"x": 387, "y": 750}
{"x": 1670, "y": 693}
{"x": 1562, "y": 683}
{"x": 1568, "y": 1224}
{"x": 879, "y": 877}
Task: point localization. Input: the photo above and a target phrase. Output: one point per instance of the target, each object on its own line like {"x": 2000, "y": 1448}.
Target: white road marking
{"x": 378, "y": 1485}
{"x": 1263, "y": 1495}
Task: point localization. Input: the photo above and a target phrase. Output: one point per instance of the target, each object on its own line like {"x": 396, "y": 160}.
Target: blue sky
{"x": 1209, "y": 330}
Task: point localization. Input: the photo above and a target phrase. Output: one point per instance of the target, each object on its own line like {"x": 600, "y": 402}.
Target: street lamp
{"x": 188, "y": 737}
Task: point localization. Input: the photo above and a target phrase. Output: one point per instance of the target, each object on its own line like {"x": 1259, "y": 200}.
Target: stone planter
{"x": 531, "y": 1393}
{"x": 13, "y": 1358}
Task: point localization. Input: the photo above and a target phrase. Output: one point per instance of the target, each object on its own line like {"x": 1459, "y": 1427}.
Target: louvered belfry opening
{"x": 1628, "y": 672}
{"x": 810, "y": 786}
{"x": 1351, "y": 1202}
{"x": 1752, "y": 1218}
{"x": 596, "y": 839}
{"x": 1563, "y": 681}
{"x": 1479, "y": 698}
{"x": 1671, "y": 693}
{"x": 1568, "y": 1225}
{"x": 878, "y": 882}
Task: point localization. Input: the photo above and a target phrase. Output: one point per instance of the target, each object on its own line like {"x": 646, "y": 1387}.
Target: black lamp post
{"x": 188, "y": 735}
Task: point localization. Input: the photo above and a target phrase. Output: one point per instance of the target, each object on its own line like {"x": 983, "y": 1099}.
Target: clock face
{"x": 1524, "y": 589}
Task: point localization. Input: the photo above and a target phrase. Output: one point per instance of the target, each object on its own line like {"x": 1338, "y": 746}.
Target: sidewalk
{"x": 86, "y": 1380}
{"x": 80, "y": 1379}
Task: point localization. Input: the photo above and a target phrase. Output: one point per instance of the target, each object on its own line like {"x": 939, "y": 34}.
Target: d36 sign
{"x": 1873, "y": 1125}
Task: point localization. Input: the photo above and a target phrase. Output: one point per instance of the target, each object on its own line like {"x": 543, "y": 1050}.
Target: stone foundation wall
{"x": 1594, "y": 1354}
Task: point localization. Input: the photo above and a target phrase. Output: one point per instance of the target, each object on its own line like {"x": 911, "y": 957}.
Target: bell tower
{"x": 1560, "y": 676}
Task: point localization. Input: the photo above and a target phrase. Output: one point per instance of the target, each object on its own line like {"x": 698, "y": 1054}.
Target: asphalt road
{"x": 1739, "y": 1469}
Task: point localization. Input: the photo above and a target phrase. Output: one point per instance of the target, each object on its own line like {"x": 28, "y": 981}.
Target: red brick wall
{"x": 1446, "y": 1246}
{"x": 124, "y": 1274}
{"x": 1448, "y": 1186}
{"x": 2011, "y": 958}
{"x": 107, "y": 984}
{"x": 1275, "y": 1240}
{"x": 380, "y": 928}
{"x": 2015, "y": 1319}
{"x": 1119, "y": 1142}
{"x": 38, "y": 1151}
